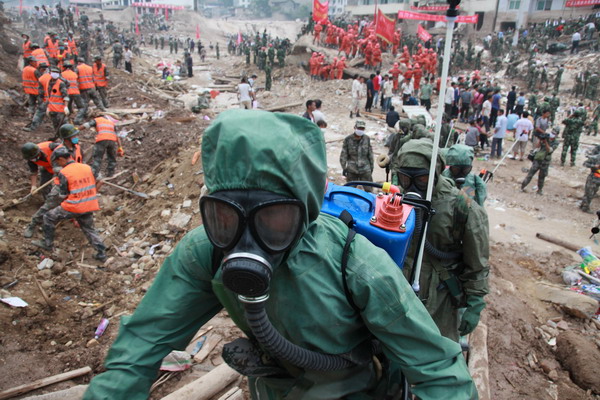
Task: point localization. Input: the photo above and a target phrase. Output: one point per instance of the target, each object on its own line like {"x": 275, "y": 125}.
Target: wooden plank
{"x": 40, "y": 383}
{"x": 129, "y": 110}
{"x": 211, "y": 342}
{"x": 283, "y": 106}
{"x": 207, "y": 386}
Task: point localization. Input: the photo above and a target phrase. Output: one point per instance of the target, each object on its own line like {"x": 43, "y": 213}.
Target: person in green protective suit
{"x": 455, "y": 266}
{"x": 286, "y": 180}
{"x": 459, "y": 158}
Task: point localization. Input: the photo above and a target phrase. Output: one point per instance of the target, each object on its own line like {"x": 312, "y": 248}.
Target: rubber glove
{"x": 67, "y": 112}
{"x": 470, "y": 319}
{"x": 120, "y": 152}
{"x": 33, "y": 187}
{"x": 47, "y": 112}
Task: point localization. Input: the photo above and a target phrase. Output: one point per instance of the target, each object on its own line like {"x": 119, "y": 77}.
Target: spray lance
{"x": 451, "y": 15}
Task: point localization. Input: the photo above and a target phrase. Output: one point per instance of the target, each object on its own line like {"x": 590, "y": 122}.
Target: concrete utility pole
{"x": 521, "y": 20}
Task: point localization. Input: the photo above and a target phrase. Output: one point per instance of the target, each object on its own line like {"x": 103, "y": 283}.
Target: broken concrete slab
{"x": 73, "y": 393}
{"x": 179, "y": 221}
{"x": 575, "y": 304}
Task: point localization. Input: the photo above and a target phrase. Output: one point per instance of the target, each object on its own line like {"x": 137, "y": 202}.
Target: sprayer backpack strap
{"x": 347, "y": 219}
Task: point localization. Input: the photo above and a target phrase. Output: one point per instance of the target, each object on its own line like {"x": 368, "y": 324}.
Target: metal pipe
{"x": 451, "y": 15}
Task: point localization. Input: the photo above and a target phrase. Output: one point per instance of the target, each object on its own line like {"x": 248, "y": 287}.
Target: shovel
{"x": 24, "y": 199}
{"x": 139, "y": 194}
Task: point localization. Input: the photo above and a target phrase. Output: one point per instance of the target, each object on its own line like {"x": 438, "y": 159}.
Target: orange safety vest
{"x": 61, "y": 57}
{"x": 43, "y": 81}
{"x": 105, "y": 130}
{"x": 82, "y": 196}
{"x": 27, "y": 49}
{"x": 99, "y": 77}
{"x": 54, "y": 97}
{"x": 597, "y": 173}
{"x": 86, "y": 79}
{"x": 47, "y": 151}
{"x": 78, "y": 157}
{"x": 30, "y": 81}
{"x": 40, "y": 57}
{"x": 52, "y": 48}
{"x": 71, "y": 77}
{"x": 72, "y": 47}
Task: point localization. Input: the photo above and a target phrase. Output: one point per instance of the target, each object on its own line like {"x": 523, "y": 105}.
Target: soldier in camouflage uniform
{"x": 268, "y": 80}
{"x": 592, "y": 87}
{"x": 554, "y": 104}
{"x": 574, "y": 125}
{"x": 357, "y": 156}
{"x": 578, "y": 88}
{"x": 532, "y": 106}
{"x": 558, "y": 77}
{"x": 541, "y": 161}
{"x": 593, "y": 126}
{"x": 592, "y": 184}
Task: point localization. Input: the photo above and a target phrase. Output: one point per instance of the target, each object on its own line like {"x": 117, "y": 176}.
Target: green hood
{"x": 281, "y": 153}
{"x": 459, "y": 154}
{"x": 416, "y": 153}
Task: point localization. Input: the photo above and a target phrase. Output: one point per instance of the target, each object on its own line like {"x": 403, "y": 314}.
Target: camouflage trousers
{"x": 350, "y": 177}
{"x": 542, "y": 167}
{"x": 100, "y": 148}
{"x": 57, "y": 118}
{"x": 570, "y": 142}
{"x": 81, "y": 108}
{"x": 32, "y": 100}
{"x": 53, "y": 200}
{"x": 593, "y": 128}
{"x": 592, "y": 184}
{"x": 103, "y": 93}
{"x": 90, "y": 94}
{"x": 85, "y": 220}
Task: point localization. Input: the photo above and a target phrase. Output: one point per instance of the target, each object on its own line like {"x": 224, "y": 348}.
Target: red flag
{"x": 137, "y": 28}
{"x": 467, "y": 19}
{"x": 166, "y": 14}
{"x": 77, "y": 11}
{"x": 197, "y": 31}
{"x": 239, "y": 38}
{"x": 156, "y": 11}
{"x": 423, "y": 34}
{"x": 385, "y": 27}
{"x": 320, "y": 11}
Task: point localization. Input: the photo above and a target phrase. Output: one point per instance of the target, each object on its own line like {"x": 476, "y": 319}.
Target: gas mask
{"x": 459, "y": 173}
{"x": 254, "y": 229}
{"x": 414, "y": 180}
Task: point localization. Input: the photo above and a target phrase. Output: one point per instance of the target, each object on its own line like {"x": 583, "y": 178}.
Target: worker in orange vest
{"x": 62, "y": 55}
{"x": 51, "y": 46}
{"x": 30, "y": 76}
{"x": 74, "y": 93}
{"x": 77, "y": 186}
{"x": 87, "y": 88}
{"x": 70, "y": 140}
{"x": 53, "y": 96}
{"x": 107, "y": 142}
{"x": 100, "y": 74}
{"x": 39, "y": 55}
{"x": 26, "y": 46}
{"x": 72, "y": 46}
{"x": 39, "y": 155}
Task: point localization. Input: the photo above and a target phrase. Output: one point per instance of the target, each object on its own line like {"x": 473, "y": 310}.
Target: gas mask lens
{"x": 460, "y": 171}
{"x": 417, "y": 177}
{"x": 274, "y": 224}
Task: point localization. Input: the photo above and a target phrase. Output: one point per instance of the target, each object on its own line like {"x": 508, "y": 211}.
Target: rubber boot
{"x": 42, "y": 244}
{"x": 101, "y": 254}
{"x": 29, "y": 230}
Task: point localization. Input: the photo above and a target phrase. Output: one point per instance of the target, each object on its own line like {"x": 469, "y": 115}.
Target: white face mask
{"x": 54, "y": 75}
{"x": 359, "y": 132}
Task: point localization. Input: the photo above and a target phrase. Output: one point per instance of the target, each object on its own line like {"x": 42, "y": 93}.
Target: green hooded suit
{"x": 285, "y": 154}
{"x": 459, "y": 226}
{"x": 474, "y": 186}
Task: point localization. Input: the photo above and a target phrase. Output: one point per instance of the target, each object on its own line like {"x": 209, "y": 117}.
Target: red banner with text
{"x": 385, "y": 27}
{"x": 467, "y": 19}
{"x": 431, "y": 8}
{"x": 320, "y": 11}
{"x": 582, "y": 3}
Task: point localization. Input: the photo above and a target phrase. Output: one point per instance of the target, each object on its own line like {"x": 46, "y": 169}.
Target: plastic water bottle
{"x": 101, "y": 328}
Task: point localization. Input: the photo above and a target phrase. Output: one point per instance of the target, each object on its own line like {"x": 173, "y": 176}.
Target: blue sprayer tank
{"x": 382, "y": 219}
